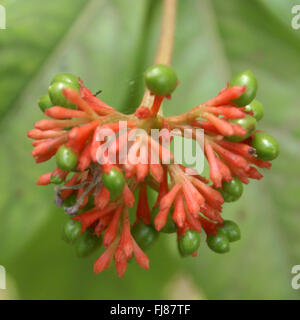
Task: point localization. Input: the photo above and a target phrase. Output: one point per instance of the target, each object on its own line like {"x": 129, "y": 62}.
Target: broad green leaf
{"x": 33, "y": 33}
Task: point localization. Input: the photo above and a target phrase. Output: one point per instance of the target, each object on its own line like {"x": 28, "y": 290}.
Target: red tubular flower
{"x": 143, "y": 211}
{"x": 106, "y": 258}
{"x": 112, "y": 229}
{"x": 179, "y": 215}
{"x": 140, "y": 256}
{"x": 126, "y": 243}
{"x": 44, "y": 179}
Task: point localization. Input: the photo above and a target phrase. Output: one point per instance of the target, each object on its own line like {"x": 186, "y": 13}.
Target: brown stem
{"x": 166, "y": 41}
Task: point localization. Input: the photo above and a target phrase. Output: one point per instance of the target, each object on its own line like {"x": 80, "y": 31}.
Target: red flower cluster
{"x": 193, "y": 201}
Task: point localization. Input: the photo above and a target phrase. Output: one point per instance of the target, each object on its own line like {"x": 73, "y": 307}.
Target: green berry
{"x": 189, "y": 242}
{"x": 232, "y": 190}
{"x": 161, "y": 79}
{"x": 231, "y": 230}
{"x": 170, "y": 226}
{"x": 247, "y": 79}
{"x": 67, "y": 78}
{"x": 57, "y": 97}
{"x": 144, "y": 235}
{"x": 257, "y": 108}
{"x": 56, "y": 179}
{"x": 248, "y": 123}
{"x": 45, "y": 102}
{"x": 114, "y": 182}
{"x": 71, "y": 231}
{"x": 66, "y": 159}
{"x": 227, "y": 197}
{"x": 266, "y": 146}
{"x": 70, "y": 200}
{"x": 218, "y": 242}
{"x": 87, "y": 244}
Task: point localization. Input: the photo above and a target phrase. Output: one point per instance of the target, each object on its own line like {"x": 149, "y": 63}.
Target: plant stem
{"x": 133, "y": 95}
{"x": 166, "y": 42}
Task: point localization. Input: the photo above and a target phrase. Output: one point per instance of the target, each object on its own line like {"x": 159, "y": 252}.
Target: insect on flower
{"x": 98, "y": 194}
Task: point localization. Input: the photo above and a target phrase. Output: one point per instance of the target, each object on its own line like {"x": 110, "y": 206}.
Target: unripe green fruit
{"x": 218, "y": 242}
{"x": 87, "y": 244}
{"x": 144, "y": 235}
{"x": 67, "y": 78}
{"x": 232, "y": 190}
{"x": 248, "y": 123}
{"x": 245, "y": 78}
{"x": 266, "y": 146}
{"x": 56, "y": 179}
{"x": 189, "y": 242}
{"x": 57, "y": 97}
{"x": 114, "y": 182}
{"x": 161, "y": 79}
{"x": 71, "y": 231}
{"x": 45, "y": 102}
{"x": 231, "y": 230}
{"x": 70, "y": 200}
{"x": 66, "y": 159}
{"x": 170, "y": 226}
{"x": 257, "y": 108}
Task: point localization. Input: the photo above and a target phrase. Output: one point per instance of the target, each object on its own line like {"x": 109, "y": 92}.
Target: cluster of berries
{"x": 97, "y": 195}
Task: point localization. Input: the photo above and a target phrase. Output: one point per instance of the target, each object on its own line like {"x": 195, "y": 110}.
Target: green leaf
{"x": 33, "y": 32}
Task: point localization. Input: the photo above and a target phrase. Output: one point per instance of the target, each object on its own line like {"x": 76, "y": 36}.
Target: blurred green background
{"x": 109, "y": 43}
